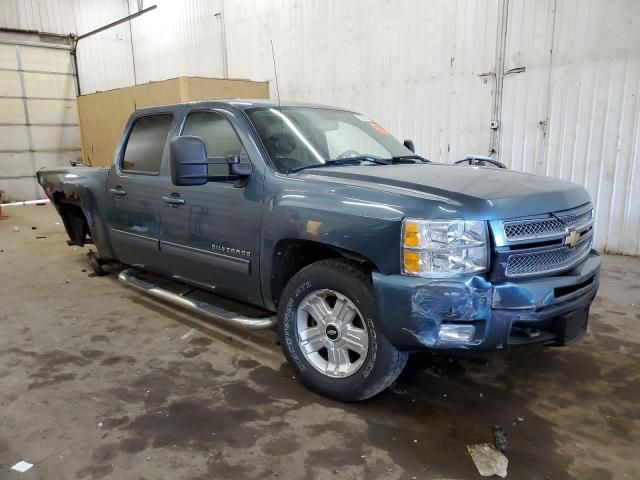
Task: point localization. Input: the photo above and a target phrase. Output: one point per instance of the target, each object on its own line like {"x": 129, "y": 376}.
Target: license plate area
{"x": 571, "y": 326}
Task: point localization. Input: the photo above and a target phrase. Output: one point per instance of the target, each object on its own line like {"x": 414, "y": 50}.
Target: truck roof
{"x": 240, "y": 103}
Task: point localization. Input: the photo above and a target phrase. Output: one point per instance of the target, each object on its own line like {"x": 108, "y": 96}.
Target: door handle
{"x": 173, "y": 200}
{"x": 118, "y": 192}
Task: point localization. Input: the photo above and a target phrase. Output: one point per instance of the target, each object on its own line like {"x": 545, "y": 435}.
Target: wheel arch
{"x": 290, "y": 255}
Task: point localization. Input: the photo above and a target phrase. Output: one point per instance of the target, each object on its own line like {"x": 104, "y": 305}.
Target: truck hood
{"x": 484, "y": 192}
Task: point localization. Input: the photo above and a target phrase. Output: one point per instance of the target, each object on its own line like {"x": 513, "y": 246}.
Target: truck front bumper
{"x": 472, "y": 313}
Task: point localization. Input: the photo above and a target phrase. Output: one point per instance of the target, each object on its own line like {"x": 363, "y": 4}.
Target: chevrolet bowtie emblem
{"x": 572, "y": 238}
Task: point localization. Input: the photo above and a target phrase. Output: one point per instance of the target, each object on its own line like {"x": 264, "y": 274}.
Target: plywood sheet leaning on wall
{"x": 104, "y": 114}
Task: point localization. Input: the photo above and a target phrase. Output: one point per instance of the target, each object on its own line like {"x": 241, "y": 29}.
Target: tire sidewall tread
{"x": 383, "y": 363}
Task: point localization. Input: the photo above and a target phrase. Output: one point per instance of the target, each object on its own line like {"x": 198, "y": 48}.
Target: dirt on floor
{"x": 98, "y": 381}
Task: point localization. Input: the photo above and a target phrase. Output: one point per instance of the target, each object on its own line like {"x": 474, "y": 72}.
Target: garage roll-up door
{"x": 38, "y": 115}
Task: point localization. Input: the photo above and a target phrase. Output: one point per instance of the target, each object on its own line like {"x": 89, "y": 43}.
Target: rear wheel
{"x": 329, "y": 332}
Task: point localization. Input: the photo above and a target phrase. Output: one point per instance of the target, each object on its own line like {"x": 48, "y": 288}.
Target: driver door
{"x": 212, "y": 238}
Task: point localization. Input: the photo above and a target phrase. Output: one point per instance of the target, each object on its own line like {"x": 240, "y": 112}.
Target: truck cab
{"x": 208, "y": 233}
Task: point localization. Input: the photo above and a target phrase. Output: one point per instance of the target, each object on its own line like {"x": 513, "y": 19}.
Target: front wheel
{"x": 329, "y": 332}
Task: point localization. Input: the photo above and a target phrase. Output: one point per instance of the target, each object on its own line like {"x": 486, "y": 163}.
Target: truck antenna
{"x": 275, "y": 71}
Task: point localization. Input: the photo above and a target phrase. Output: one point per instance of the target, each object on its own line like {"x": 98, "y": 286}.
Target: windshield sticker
{"x": 379, "y": 128}
{"x": 362, "y": 118}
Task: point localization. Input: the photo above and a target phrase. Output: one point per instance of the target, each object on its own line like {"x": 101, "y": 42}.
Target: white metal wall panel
{"x": 182, "y": 37}
{"x": 47, "y": 85}
{"x": 594, "y": 132}
{"x": 56, "y": 16}
{"x": 45, "y": 60}
{"x": 10, "y": 83}
{"x": 575, "y": 112}
{"x": 56, "y": 137}
{"x": 38, "y": 116}
{"x": 12, "y": 138}
{"x": 105, "y": 59}
{"x": 8, "y": 56}
{"x": 19, "y": 164}
{"x": 54, "y": 159}
{"x": 523, "y": 112}
{"x": 412, "y": 66}
{"x": 17, "y": 188}
{"x": 53, "y": 111}
{"x": 12, "y": 110}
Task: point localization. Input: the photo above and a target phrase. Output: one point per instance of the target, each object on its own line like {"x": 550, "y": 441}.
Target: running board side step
{"x": 247, "y": 323}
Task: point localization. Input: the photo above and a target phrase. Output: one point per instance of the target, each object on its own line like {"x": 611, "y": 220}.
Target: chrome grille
{"x": 547, "y": 261}
{"x": 547, "y": 227}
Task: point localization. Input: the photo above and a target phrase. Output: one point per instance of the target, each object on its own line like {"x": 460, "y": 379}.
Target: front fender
{"x": 360, "y": 221}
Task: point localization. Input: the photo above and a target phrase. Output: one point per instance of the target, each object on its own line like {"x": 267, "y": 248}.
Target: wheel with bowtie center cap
{"x": 327, "y": 319}
{"x": 332, "y": 333}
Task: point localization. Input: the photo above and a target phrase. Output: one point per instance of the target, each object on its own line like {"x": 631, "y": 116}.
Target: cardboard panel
{"x": 211, "y": 88}
{"x": 13, "y": 138}
{"x": 11, "y": 111}
{"x": 104, "y": 114}
{"x": 102, "y": 119}
{"x": 52, "y": 111}
{"x": 46, "y": 59}
{"x": 51, "y": 86}
{"x": 157, "y": 93}
{"x": 8, "y": 58}
{"x": 10, "y": 84}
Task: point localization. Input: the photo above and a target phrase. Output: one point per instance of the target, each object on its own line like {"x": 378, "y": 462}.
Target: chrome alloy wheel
{"x": 332, "y": 334}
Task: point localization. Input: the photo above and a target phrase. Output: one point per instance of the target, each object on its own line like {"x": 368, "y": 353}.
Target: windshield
{"x": 297, "y": 137}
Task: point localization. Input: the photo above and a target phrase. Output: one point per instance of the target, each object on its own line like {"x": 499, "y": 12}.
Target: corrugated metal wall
{"x": 53, "y": 16}
{"x": 413, "y": 67}
{"x": 178, "y": 38}
{"x": 575, "y": 111}
{"x": 561, "y": 76}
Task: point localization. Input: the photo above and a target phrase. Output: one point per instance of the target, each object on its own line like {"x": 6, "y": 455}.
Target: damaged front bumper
{"x": 472, "y": 313}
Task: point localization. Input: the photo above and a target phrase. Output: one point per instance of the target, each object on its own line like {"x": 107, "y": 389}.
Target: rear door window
{"x": 145, "y": 146}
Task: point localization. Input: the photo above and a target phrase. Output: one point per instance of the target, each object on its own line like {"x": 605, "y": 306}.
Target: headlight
{"x": 443, "y": 247}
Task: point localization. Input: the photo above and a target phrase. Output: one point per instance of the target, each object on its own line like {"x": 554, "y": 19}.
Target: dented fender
{"x": 414, "y": 308}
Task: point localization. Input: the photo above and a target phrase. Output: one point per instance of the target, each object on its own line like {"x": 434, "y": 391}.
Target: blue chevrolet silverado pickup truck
{"x": 365, "y": 250}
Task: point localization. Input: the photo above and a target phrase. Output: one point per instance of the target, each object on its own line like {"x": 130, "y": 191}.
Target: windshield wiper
{"x": 410, "y": 157}
{"x": 343, "y": 161}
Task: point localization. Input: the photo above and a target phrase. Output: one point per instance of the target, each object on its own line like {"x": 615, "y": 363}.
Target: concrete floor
{"x": 97, "y": 381}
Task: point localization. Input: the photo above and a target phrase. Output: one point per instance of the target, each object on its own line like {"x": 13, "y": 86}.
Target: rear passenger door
{"x": 134, "y": 204}
{"x": 212, "y": 239}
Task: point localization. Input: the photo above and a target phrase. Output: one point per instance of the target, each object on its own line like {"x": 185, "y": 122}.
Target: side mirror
{"x": 188, "y": 161}
{"x": 238, "y": 169}
{"x": 409, "y": 144}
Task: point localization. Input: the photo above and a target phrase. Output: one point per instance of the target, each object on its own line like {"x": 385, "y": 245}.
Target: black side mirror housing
{"x": 237, "y": 168}
{"x": 188, "y": 161}
{"x": 409, "y": 144}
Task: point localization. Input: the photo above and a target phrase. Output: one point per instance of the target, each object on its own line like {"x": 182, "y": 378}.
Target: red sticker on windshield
{"x": 379, "y": 128}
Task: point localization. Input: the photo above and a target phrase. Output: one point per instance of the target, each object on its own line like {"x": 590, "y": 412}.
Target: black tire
{"x": 383, "y": 362}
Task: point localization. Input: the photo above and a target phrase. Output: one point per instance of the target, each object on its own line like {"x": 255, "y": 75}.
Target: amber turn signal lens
{"x": 411, "y": 235}
{"x": 411, "y": 261}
